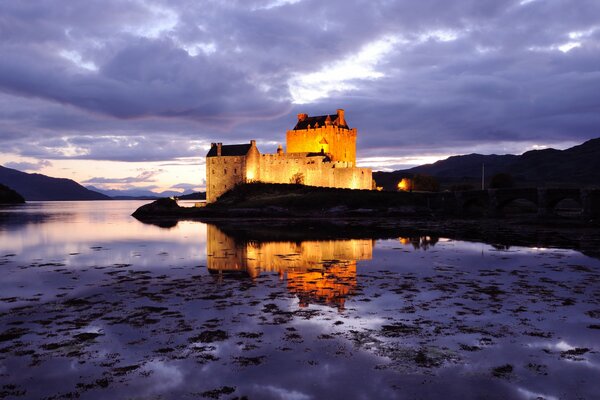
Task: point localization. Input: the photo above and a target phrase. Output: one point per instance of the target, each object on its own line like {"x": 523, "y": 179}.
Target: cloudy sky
{"x": 131, "y": 93}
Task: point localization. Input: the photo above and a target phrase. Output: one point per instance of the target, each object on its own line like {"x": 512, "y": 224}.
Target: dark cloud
{"x": 157, "y": 81}
{"x": 28, "y": 166}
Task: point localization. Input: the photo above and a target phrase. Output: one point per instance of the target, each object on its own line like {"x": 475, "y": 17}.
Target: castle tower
{"x": 323, "y": 133}
{"x": 230, "y": 165}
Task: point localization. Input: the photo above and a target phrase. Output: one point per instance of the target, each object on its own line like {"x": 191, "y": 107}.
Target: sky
{"x": 130, "y": 93}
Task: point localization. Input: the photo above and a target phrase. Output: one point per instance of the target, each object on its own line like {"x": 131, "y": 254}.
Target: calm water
{"x": 95, "y": 304}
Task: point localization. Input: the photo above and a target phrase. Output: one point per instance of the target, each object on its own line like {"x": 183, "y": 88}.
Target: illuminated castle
{"x": 320, "y": 151}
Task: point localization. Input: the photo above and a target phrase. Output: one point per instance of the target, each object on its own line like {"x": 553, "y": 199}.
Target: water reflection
{"x": 97, "y": 305}
{"x": 322, "y": 272}
{"x": 419, "y": 242}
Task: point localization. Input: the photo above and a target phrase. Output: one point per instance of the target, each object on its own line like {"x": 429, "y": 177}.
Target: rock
{"x": 157, "y": 207}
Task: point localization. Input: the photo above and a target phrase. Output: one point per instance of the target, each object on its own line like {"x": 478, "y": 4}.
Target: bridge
{"x": 493, "y": 202}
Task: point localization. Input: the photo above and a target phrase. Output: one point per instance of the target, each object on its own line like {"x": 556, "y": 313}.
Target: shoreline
{"x": 502, "y": 232}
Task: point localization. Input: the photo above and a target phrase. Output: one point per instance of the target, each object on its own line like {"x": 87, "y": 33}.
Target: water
{"x": 95, "y": 304}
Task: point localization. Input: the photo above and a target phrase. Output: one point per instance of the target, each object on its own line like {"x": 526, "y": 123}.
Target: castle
{"x": 320, "y": 151}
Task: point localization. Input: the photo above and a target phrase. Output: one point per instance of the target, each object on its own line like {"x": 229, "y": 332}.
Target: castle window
{"x": 213, "y": 171}
{"x": 225, "y": 171}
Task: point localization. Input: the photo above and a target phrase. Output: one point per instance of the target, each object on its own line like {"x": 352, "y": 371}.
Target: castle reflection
{"x": 321, "y": 272}
{"x": 419, "y": 242}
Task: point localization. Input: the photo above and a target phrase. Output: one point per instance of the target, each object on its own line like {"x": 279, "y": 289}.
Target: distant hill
{"x": 576, "y": 166}
{"x": 136, "y": 194}
{"x": 9, "y": 196}
{"x": 42, "y": 187}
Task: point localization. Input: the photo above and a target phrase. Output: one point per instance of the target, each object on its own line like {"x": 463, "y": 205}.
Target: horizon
{"x": 129, "y": 95}
{"x": 185, "y": 189}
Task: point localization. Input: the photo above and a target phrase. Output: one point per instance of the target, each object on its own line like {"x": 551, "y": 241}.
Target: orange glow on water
{"x": 302, "y": 264}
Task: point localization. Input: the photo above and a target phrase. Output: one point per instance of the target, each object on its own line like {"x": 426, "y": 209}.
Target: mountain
{"x": 42, "y": 187}
{"x": 138, "y": 194}
{"x": 576, "y": 166}
{"x": 9, "y": 196}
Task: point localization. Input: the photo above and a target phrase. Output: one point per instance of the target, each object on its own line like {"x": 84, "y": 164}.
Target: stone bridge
{"x": 492, "y": 202}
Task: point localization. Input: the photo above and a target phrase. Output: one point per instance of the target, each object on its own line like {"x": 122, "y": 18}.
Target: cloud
{"x": 28, "y": 166}
{"x": 146, "y": 176}
{"x": 133, "y": 81}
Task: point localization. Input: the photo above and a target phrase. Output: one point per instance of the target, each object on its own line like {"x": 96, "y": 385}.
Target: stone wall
{"x": 341, "y": 143}
{"x": 281, "y": 168}
{"x": 252, "y": 165}
{"x": 222, "y": 174}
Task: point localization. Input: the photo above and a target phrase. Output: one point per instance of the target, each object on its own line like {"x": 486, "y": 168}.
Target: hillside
{"x": 9, "y": 196}
{"x": 42, "y": 187}
{"x": 576, "y": 166}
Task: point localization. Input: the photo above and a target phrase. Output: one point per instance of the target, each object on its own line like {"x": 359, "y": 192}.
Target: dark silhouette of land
{"x": 9, "y": 196}
{"x": 574, "y": 167}
{"x": 292, "y": 200}
{"x": 42, "y": 187}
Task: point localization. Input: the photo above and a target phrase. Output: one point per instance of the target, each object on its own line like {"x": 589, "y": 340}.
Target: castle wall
{"x": 281, "y": 168}
{"x": 222, "y": 174}
{"x": 341, "y": 143}
{"x": 252, "y": 171}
